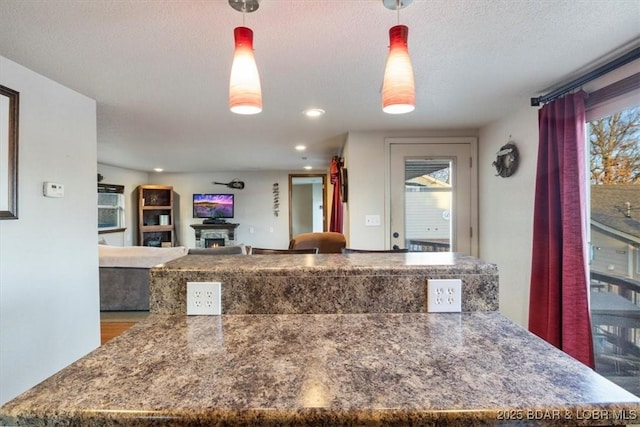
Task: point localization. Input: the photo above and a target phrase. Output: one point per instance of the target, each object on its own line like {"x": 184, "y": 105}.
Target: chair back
{"x": 365, "y": 251}
{"x": 219, "y": 250}
{"x": 327, "y": 242}
{"x": 265, "y": 251}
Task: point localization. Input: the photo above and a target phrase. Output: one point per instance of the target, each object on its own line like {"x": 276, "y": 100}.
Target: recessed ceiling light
{"x": 313, "y": 112}
{"x": 158, "y": 169}
{"x": 308, "y": 168}
{"x": 301, "y": 147}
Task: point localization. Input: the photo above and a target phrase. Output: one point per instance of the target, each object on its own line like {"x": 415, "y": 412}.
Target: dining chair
{"x": 327, "y": 242}
{"x": 265, "y": 251}
{"x": 382, "y": 251}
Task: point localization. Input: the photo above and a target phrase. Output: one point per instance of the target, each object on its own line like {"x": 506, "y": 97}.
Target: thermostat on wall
{"x": 51, "y": 189}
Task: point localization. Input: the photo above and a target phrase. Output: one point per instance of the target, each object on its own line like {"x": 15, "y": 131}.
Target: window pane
{"x": 428, "y": 204}
{"x": 108, "y": 199}
{"x": 110, "y": 211}
{"x": 614, "y": 143}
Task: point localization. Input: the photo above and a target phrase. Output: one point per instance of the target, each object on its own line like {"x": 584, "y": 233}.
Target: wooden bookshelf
{"x": 155, "y": 216}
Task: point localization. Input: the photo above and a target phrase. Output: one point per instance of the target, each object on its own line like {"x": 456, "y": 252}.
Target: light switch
{"x": 372, "y": 220}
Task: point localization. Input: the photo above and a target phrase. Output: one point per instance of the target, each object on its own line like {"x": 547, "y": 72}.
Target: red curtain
{"x": 559, "y": 304}
{"x": 335, "y": 224}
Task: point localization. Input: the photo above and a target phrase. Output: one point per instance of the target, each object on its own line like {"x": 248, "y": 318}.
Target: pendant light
{"x": 245, "y": 94}
{"x": 398, "y": 87}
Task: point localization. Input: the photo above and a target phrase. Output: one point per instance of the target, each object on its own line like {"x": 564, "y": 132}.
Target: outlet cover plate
{"x": 204, "y": 298}
{"x": 372, "y": 220}
{"x": 444, "y": 295}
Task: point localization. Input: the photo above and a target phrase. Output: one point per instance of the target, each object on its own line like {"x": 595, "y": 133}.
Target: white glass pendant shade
{"x": 398, "y": 88}
{"x": 245, "y": 94}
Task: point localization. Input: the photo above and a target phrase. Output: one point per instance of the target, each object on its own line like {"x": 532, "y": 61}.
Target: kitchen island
{"x": 327, "y": 339}
{"x": 325, "y": 369}
{"x": 324, "y": 283}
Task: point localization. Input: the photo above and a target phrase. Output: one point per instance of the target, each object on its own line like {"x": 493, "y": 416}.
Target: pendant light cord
{"x": 398, "y": 9}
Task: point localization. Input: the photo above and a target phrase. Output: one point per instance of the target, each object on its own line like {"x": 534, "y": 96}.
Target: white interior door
{"x": 433, "y": 196}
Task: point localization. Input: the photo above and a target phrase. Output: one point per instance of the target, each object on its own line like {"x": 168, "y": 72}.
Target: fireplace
{"x": 213, "y": 242}
{"x": 213, "y": 235}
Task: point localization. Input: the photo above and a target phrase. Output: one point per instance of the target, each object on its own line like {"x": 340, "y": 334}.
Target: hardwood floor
{"x": 113, "y": 323}
{"x": 110, "y": 330}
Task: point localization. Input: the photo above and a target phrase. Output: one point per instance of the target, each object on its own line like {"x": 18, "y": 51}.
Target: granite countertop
{"x": 323, "y": 283}
{"x": 325, "y": 369}
{"x": 334, "y": 264}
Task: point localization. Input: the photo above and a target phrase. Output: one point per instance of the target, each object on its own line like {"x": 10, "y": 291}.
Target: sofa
{"x": 124, "y": 274}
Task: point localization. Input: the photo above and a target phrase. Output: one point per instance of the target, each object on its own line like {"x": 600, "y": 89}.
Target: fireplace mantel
{"x": 203, "y": 230}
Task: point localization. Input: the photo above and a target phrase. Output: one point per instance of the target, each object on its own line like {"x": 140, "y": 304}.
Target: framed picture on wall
{"x": 344, "y": 178}
{"x": 9, "y": 107}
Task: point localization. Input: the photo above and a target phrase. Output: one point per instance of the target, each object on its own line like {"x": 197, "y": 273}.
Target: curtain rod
{"x": 598, "y": 72}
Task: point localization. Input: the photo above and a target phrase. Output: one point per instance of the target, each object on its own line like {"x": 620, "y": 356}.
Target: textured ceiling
{"x": 159, "y": 70}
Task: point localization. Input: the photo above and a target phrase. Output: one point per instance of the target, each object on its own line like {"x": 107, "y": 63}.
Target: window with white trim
{"x": 110, "y": 207}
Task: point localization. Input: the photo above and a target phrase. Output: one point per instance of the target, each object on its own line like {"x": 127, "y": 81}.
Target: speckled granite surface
{"x": 332, "y": 369}
{"x": 324, "y": 283}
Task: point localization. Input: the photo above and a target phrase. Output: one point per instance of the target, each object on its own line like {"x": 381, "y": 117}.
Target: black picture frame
{"x": 9, "y": 111}
{"x": 344, "y": 179}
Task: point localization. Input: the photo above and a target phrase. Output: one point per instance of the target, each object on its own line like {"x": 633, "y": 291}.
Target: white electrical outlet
{"x": 444, "y": 295}
{"x": 204, "y": 298}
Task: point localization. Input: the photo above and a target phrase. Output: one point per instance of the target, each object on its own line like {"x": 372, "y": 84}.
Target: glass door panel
{"x": 428, "y": 204}
{"x": 431, "y": 195}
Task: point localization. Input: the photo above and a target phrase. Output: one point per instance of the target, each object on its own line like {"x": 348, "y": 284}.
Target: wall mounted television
{"x": 213, "y": 205}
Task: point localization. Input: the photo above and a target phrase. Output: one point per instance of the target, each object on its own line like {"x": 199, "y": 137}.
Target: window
{"x": 614, "y": 173}
{"x": 110, "y": 207}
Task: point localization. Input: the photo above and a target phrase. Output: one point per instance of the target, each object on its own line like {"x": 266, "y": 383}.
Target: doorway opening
{"x": 307, "y": 203}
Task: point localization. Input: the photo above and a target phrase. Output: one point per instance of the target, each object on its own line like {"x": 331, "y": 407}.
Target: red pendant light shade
{"x": 245, "y": 95}
{"x": 398, "y": 88}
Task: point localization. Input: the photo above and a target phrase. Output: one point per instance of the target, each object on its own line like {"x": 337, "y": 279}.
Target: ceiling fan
{"x": 236, "y": 183}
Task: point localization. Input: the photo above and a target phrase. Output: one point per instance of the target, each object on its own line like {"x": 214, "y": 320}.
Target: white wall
{"x": 365, "y": 160}
{"x": 49, "y": 302}
{"x": 506, "y": 208}
{"x": 130, "y": 179}
{"x": 302, "y": 220}
{"x": 506, "y": 204}
{"x": 253, "y": 205}
{"x": 318, "y": 208}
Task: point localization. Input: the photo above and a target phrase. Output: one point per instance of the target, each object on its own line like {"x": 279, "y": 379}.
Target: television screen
{"x": 213, "y": 205}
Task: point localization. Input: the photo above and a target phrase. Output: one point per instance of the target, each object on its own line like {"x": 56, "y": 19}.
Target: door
{"x": 433, "y": 196}
{"x": 307, "y": 208}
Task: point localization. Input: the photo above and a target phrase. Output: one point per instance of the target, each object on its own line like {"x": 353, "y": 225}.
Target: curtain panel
{"x": 335, "y": 223}
{"x": 559, "y": 292}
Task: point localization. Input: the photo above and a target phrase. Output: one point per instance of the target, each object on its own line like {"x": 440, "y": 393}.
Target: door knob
{"x": 396, "y": 234}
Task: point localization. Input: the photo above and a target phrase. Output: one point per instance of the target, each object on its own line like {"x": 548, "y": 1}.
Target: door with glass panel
{"x": 433, "y": 197}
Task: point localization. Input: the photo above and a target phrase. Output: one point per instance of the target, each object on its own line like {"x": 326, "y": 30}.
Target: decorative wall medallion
{"x": 506, "y": 161}
{"x": 276, "y": 199}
